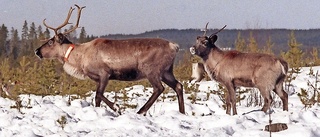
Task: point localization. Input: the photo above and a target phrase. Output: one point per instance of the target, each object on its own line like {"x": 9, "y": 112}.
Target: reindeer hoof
{"x": 144, "y": 113}
{"x": 116, "y": 108}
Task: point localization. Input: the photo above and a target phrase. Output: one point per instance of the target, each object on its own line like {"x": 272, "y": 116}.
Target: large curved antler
{"x": 66, "y": 22}
{"x": 77, "y": 24}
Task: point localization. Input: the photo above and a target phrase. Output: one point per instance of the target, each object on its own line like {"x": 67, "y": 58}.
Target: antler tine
{"x": 219, "y": 30}
{"x": 44, "y": 23}
{"x": 205, "y": 30}
{"x": 78, "y": 20}
{"x": 66, "y": 22}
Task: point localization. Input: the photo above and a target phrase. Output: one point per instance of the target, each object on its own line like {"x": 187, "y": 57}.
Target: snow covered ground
{"x": 206, "y": 117}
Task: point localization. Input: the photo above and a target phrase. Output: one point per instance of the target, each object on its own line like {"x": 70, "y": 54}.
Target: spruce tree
{"x": 3, "y": 39}
{"x": 40, "y": 33}
{"x": 294, "y": 56}
{"x": 252, "y": 46}
{"x": 24, "y": 39}
{"x": 240, "y": 43}
{"x": 32, "y": 39}
{"x": 49, "y": 77}
{"x": 46, "y": 33}
{"x": 315, "y": 61}
{"x": 14, "y": 43}
{"x": 34, "y": 74}
{"x": 72, "y": 36}
{"x": 22, "y": 75}
{"x": 268, "y": 47}
{"x": 82, "y": 36}
{"x": 7, "y": 76}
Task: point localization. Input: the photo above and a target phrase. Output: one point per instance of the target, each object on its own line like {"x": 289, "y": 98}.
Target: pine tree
{"x": 47, "y": 34}
{"x": 310, "y": 96}
{"x": 3, "y": 39}
{"x": 315, "y": 61}
{"x": 240, "y": 43}
{"x": 69, "y": 85}
{"x": 6, "y": 75}
{"x": 49, "y": 77}
{"x": 32, "y": 38}
{"x": 72, "y": 36}
{"x": 22, "y": 75}
{"x": 252, "y": 46}
{"x": 24, "y": 39}
{"x": 40, "y": 33}
{"x": 90, "y": 38}
{"x": 34, "y": 73}
{"x": 268, "y": 48}
{"x": 294, "y": 56}
{"x": 25, "y": 30}
{"x": 82, "y": 36}
{"x": 14, "y": 41}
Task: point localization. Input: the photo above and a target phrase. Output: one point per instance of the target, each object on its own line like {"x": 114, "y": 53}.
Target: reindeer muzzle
{"x": 192, "y": 50}
{"x": 38, "y": 53}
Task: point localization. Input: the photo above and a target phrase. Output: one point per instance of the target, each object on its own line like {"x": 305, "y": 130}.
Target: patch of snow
{"x": 205, "y": 118}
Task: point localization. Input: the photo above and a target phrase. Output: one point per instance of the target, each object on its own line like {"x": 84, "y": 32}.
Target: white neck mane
{"x": 73, "y": 71}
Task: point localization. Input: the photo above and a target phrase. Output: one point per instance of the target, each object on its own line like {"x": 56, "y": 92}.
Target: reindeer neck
{"x": 72, "y": 66}
{"x": 72, "y": 54}
{"x": 214, "y": 57}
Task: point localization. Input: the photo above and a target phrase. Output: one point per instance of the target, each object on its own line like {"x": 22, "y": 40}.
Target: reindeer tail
{"x": 284, "y": 66}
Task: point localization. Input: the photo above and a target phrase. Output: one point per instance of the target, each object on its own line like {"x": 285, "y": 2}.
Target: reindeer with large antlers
{"x": 233, "y": 69}
{"x": 103, "y": 59}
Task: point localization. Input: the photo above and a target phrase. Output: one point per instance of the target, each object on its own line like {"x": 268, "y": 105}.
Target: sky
{"x": 101, "y": 17}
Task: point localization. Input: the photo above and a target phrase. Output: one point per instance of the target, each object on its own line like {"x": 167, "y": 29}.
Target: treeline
{"x": 15, "y": 45}
{"x": 185, "y": 38}
{"x": 26, "y": 74}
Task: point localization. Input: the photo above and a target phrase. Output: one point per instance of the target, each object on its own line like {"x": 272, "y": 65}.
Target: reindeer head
{"x": 204, "y": 43}
{"x": 57, "y": 45}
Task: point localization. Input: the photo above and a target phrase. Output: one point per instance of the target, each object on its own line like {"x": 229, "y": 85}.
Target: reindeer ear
{"x": 213, "y": 38}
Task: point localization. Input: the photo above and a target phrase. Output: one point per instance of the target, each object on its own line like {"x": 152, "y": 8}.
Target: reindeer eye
{"x": 50, "y": 42}
{"x": 204, "y": 42}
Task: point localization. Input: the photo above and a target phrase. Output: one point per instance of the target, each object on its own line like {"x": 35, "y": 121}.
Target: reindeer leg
{"x": 99, "y": 95}
{"x": 169, "y": 79}
{"x": 228, "y": 101}
{"x": 266, "y": 97}
{"x": 228, "y": 104}
{"x": 283, "y": 96}
{"x": 157, "y": 90}
{"x": 231, "y": 99}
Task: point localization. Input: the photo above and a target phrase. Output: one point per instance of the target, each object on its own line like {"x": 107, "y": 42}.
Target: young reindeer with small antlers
{"x": 103, "y": 59}
{"x": 233, "y": 69}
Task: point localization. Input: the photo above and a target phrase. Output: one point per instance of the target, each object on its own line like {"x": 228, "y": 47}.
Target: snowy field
{"x": 206, "y": 117}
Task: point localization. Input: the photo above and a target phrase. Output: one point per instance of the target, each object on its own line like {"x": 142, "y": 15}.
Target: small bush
{"x": 62, "y": 121}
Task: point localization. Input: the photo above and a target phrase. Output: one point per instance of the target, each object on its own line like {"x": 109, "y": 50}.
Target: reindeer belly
{"x": 243, "y": 82}
{"x": 126, "y": 75}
